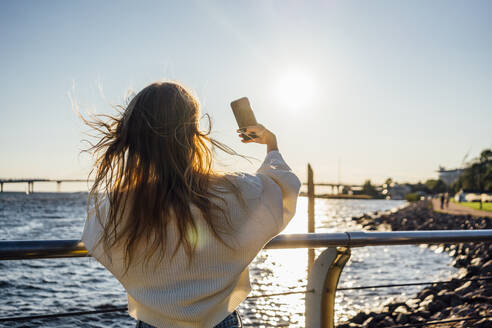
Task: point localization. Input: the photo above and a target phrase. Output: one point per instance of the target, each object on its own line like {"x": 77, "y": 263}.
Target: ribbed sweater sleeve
{"x": 275, "y": 169}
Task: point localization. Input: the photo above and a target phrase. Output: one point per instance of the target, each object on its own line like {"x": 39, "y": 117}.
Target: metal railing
{"x": 39, "y": 249}
{"x": 323, "y": 277}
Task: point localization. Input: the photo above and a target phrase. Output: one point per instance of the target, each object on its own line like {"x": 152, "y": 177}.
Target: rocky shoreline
{"x": 469, "y": 292}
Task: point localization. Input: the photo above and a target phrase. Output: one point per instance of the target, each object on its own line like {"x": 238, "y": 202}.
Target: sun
{"x": 294, "y": 89}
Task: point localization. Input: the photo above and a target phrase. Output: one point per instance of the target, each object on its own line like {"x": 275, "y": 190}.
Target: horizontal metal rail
{"x": 42, "y": 180}
{"x": 437, "y": 322}
{"x": 63, "y": 314}
{"x": 414, "y": 284}
{"x": 121, "y": 308}
{"x": 37, "y": 249}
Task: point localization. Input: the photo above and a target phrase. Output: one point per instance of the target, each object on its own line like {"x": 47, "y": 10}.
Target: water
{"x": 47, "y": 286}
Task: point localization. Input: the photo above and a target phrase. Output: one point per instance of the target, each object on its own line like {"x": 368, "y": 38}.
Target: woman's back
{"x": 171, "y": 287}
{"x": 198, "y": 293}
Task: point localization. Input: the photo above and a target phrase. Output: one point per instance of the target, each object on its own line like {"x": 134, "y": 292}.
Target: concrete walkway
{"x": 456, "y": 209}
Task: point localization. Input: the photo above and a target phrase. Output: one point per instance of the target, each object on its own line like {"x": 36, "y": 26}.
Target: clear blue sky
{"x": 388, "y": 88}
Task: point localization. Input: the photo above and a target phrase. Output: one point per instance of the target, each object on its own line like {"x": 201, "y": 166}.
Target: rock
{"x": 402, "y": 318}
{"x": 370, "y": 323}
{"x": 480, "y": 299}
{"x": 484, "y": 323}
{"x": 436, "y": 316}
{"x": 344, "y": 325}
{"x": 416, "y": 319}
{"x": 401, "y": 309}
{"x": 464, "y": 311}
{"x": 412, "y": 303}
{"x": 462, "y": 273}
{"x": 391, "y": 306}
{"x": 427, "y": 225}
{"x": 476, "y": 261}
{"x": 444, "y": 296}
{"x": 474, "y": 293}
{"x": 486, "y": 269}
{"x": 474, "y": 269}
{"x": 461, "y": 261}
{"x": 446, "y": 311}
{"x": 360, "y": 317}
{"x": 487, "y": 291}
{"x": 379, "y": 316}
{"x": 386, "y": 322}
{"x": 443, "y": 301}
{"x": 436, "y": 306}
{"x": 454, "y": 283}
{"x": 456, "y": 300}
{"x": 465, "y": 288}
{"x": 425, "y": 292}
{"x": 423, "y": 313}
{"x": 426, "y": 301}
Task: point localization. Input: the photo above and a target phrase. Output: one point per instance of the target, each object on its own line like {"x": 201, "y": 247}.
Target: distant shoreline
{"x": 302, "y": 194}
{"x": 338, "y": 196}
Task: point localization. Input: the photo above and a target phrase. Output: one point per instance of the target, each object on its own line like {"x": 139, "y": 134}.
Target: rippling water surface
{"x": 46, "y": 286}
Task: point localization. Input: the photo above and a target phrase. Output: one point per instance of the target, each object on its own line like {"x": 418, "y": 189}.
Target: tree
{"x": 477, "y": 177}
{"x": 486, "y": 162}
{"x": 419, "y": 187}
{"x": 369, "y": 189}
{"x": 436, "y": 186}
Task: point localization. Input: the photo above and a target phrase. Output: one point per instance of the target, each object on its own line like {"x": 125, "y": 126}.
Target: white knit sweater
{"x": 173, "y": 294}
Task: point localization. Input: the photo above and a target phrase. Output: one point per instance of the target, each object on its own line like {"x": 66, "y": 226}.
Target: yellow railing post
{"x": 310, "y": 214}
{"x": 322, "y": 284}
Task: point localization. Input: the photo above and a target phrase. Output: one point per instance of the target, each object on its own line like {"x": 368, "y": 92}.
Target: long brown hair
{"x": 153, "y": 162}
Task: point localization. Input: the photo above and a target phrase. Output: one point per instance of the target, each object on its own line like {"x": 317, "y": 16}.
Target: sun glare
{"x": 294, "y": 90}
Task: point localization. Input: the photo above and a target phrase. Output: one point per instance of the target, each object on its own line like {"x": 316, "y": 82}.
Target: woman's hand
{"x": 259, "y": 134}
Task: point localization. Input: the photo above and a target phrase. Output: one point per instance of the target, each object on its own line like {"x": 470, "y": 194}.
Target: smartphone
{"x": 244, "y": 114}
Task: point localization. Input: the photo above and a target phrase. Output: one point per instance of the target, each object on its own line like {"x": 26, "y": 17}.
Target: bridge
{"x": 30, "y": 182}
{"x": 336, "y": 187}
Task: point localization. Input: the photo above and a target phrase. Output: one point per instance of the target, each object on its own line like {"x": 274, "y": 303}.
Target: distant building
{"x": 449, "y": 176}
{"x": 395, "y": 191}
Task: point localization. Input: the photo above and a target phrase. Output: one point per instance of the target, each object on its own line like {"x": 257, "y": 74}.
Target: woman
{"x": 178, "y": 235}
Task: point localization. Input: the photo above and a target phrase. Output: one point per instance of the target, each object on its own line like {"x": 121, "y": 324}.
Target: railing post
{"x": 323, "y": 281}
{"x": 310, "y": 214}
{"x": 30, "y": 187}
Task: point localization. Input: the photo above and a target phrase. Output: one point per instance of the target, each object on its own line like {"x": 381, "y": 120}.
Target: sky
{"x": 361, "y": 90}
